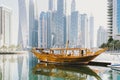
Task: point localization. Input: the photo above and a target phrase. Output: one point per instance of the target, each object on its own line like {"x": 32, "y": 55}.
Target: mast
{"x": 67, "y": 26}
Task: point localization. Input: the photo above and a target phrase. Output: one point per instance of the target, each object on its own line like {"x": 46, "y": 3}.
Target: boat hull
{"x": 64, "y": 59}
{"x": 57, "y": 58}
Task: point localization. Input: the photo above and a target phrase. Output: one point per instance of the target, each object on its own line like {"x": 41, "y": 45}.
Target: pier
{"x": 96, "y": 63}
{"x": 13, "y": 52}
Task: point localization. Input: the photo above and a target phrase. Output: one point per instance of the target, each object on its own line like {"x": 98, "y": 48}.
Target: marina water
{"x": 23, "y": 67}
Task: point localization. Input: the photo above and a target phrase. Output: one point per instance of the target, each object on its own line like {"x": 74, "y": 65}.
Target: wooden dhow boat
{"x": 66, "y": 55}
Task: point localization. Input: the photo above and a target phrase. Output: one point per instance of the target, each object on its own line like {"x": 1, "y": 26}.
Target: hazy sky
{"x": 97, "y": 8}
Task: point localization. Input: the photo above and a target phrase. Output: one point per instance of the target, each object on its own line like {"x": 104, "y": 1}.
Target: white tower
{"x": 91, "y": 28}
{"x": 23, "y": 23}
{"x": 5, "y": 26}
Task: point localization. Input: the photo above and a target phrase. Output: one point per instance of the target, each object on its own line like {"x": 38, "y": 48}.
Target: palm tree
{"x": 111, "y": 44}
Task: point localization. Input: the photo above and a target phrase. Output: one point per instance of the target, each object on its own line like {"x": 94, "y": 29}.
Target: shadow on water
{"x": 71, "y": 72}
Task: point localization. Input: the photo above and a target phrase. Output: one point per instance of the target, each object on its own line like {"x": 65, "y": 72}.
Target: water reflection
{"x": 68, "y": 72}
{"x": 25, "y": 67}
{"x": 14, "y": 67}
{"x": 115, "y": 75}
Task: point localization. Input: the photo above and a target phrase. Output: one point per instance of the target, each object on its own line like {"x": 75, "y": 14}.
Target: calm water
{"x": 26, "y": 67}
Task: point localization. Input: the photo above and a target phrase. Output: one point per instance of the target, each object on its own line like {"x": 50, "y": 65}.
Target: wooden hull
{"x": 57, "y": 58}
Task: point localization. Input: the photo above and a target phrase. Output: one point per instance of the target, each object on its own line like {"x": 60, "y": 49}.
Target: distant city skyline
{"x": 83, "y": 6}
{"x": 97, "y": 8}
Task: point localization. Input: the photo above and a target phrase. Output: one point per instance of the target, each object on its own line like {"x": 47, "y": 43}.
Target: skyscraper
{"x": 49, "y": 28}
{"x": 110, "y": 18}
{"x": 73, "y": 6}
{"x": 28, "y": 23}
{"x": 51, "y": 5}
{"x": 51, "y": 24}
{"x": 74, "y": 25}
{"x": 59, "y": 23}
{"x": 114, "y": 18}
{"x": 118, "y": 15}
{"x": 33, "y": 24}
{"x": 61, "y": 6}
{"x": 85, "y": 33}
{"x": 23, "y": 34}
{"x": 74, "y": 28}
{"x": 91, "y": 27}
{"x": 53, "y": 27}
{"x": 101, "y": 36}
{"x": 5, "y": 26}
{"x": 43, "y": 30}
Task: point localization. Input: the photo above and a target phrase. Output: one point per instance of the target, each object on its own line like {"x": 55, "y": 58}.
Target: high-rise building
{"x": 45, "y": 35}
{"x": 33, "y": 24}
{"x": 5, "y": 26}
{"x": 51, "y": 5}
{"x": 91, "y": 27}
{"x": 73, "y": 6}
{"x": 110, "y": 18}
{"x": 49, "y": 28}
{"x": 74, "y": 25}
{"x": 23, "y": 33}
{"x": 51, "y": 24}
{"x": 43, "y": 30}
{"x": 74, "y": 28}
{"x": 28, "y": 23}
{"x": 53, "y": 27}
{"x": 85, "y": 32}
{"x": 101, "y": 36}
{"x": 59, "y": 23}
{"x": 114, "y": 18}
{"x": 31, "y": 21}
{"x": 61, "y": 6}
{"x": 118, "y": 15}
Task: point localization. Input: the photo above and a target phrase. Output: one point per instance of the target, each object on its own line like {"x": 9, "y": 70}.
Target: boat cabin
{"x": 66, "y": 51}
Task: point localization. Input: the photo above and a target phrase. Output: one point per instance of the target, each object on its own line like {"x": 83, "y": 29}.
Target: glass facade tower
{"x": 114, "y": 18}
{"x": 118, "y": 15}
{"x": 33, "y": 24}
